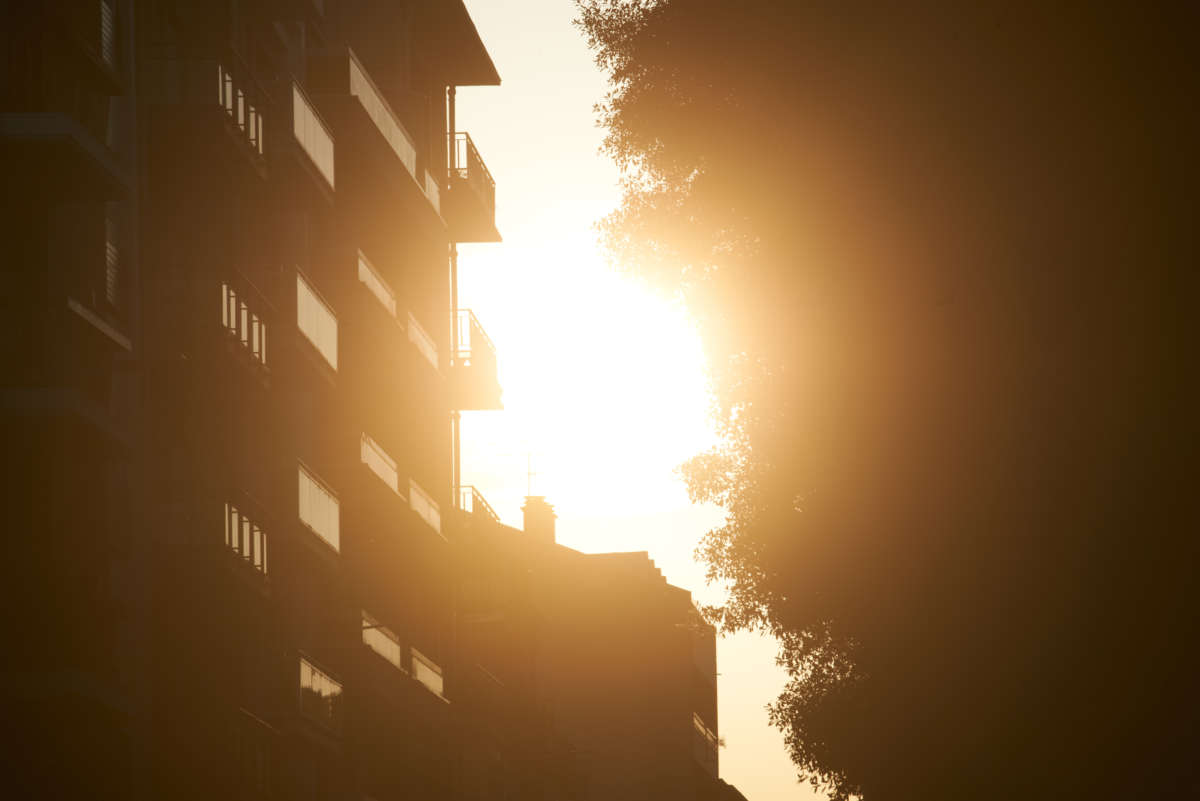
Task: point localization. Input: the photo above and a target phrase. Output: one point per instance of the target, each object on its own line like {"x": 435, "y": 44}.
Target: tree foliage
{"x": 937, "y": 253}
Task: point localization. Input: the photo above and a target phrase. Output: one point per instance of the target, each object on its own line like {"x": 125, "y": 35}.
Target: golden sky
{"x": 604, "y": 383}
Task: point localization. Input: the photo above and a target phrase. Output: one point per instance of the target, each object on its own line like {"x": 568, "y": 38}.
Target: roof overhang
{"x": 455, "y": 49}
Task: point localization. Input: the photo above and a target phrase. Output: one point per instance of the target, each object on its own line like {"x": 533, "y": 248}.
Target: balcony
{"x": 374, "y": 134}
{"x": 473, "y": 503}
{"x": 51, "y": 154}
{"x": 469, "y": 205}
{"x": 213, "y": 108}
{"x": 250, "y": 757}
{"x": 246, "y": 319}
{"x": 90, "y": 29}
{"x": 704, "y": 745}
{"x": 300, "y": 145}
{"x": 422, "y": 341}
{"x": 475, "y": 382}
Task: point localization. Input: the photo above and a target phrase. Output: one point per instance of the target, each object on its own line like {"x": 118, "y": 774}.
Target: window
{"x": 320, "y": 695}
{"x": 426, "y": 671}
{"x": 245, "y": 538}
{"x": 381, "y": 640}
{"x": 425, "y": 506}
{"x": 316, "y": 321}
{"x": 382, "y": 465}
{"x": 312, "y": 134}
{"x": 425, "y": 344}
{"x": 243, "y": 324}
{"x": 319, "y": 509}
{"x": 374, "y": 282}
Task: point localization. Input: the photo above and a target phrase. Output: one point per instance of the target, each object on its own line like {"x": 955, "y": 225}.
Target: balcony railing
{"x": 92, "y": 24}
{"x": 250, "y": 756}
{"x": 466, "y": 164}
{"x": 424, "y": 342}
{"x": 368, "y": 94}
{"x": 312, "y": 134}
{"x": 201, "y": 91}
{"x": 704, "y": 744}
{"x": 433, "y": 192}
{"x": 473, "y": 503}
{"x": 243, "y": 319}
{"x": 245, "y": 537}
{"x": 424, "y": 505}
{"x": 108, "y": 34}
{"x": 376, "y": 285}
{"x": 475, "y": 348}
{"x": 240, "y": 99}
{"x": 476, "y": 385}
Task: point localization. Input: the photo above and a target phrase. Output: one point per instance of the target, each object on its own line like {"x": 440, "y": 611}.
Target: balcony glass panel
{"x": 424, "y": 506}
{"x": 320, "y": 695}
{"x": 319, "y": 509}
{"x": 397, "y": 138}
{"x": 382, "y": 465}
{"x": 312, "y": 134}
{"x": 433, "y": 192}
{"x": 420, "y": 337}
{"x": 381, "y": 640}
{"x": 316, "y": 321}
{"x": 374, "y": 282}
{"x": 428, "y": 672}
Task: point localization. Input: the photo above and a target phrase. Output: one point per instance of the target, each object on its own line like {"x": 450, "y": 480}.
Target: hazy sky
{"x": 604, "y": 384}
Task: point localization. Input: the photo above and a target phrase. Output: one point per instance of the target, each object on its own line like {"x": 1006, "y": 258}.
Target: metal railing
{"x": 465, "y": 163}
{"x": 244, "y": 315}
{"x": 475, "y": 347}
{"x": 227, "y": 84}
{"x": 472, "y": 502}
{"x": 241, "y": 100}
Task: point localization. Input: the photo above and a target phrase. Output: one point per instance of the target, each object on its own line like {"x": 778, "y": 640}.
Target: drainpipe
{"x": 455, "y": 415}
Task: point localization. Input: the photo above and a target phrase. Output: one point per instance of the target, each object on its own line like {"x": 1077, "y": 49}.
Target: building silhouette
{"x": 241, "y": 564}
{"x": 615, "y": 662}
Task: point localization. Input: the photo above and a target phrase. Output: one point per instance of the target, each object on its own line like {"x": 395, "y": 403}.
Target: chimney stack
{"x": 539, "y": 518}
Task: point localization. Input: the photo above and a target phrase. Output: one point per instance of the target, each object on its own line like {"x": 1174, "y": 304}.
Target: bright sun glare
{"x": 604, "y": 386}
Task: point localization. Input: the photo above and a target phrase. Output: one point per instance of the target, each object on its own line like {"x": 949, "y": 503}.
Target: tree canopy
{"x": 939, "y": 255}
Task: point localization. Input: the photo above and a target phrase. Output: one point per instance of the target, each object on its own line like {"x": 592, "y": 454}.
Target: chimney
{"x": 539, "y": 518}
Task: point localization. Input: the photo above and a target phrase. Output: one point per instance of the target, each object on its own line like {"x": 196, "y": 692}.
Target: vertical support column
{"x": 455, "y": 415}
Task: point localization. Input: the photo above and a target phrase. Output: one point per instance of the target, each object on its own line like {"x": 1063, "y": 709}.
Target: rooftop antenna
{"x": 529, "y": 473}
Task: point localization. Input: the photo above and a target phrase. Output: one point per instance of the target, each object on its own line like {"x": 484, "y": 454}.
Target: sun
{"x": 605, "y": 387}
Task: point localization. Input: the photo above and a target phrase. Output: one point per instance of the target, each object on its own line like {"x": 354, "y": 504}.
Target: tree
{"x": 938, "y": 257}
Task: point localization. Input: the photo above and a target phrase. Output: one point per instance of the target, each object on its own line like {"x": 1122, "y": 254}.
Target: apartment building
{"x": 232, "y": 369}
{"x": 240, "y": 563}
{"x": 614, "y": 669}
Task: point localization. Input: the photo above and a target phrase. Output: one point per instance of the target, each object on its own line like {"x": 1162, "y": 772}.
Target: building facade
{"x": 616, "y": 664}
{"x": 241, "y": 564}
